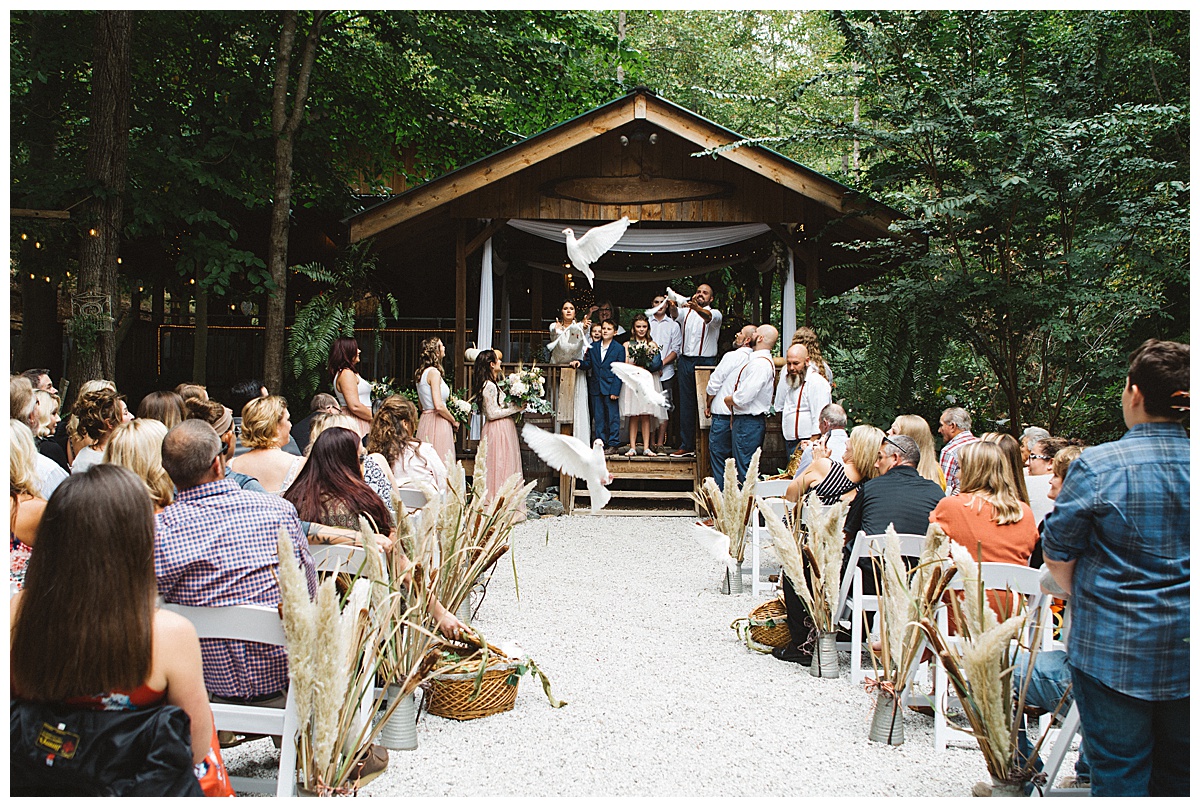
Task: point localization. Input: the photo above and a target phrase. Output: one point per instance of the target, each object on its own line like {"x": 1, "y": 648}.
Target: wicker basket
{"x": 449, "y": 694}
{"x": 766, "y": 627}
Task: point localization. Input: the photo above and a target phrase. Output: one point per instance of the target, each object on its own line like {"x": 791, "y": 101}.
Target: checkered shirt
{"x": 949, "y": 460}
{"x": 216, "y": 546}
{"x": 1123, "y": 517}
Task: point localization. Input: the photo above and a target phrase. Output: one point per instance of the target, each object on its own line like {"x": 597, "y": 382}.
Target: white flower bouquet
{"x": 460, "y": 407}
{"x": 526, "y": 386}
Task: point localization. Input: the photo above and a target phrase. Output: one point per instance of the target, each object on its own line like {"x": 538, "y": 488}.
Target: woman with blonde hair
{"x": 99, "y": 412}
{"x": 27, "y": 504}
{"x": 165, "y": 406}
{"x": 436, "y": 426}
{"x": 47, "y": 424}
{"x": 1012, "y": 450}
{"x": 987, "y": 516}
{"x": 831, "y": 480}
{"x": 137, "y": 445}
{"x": 917, "y": 428}
{"x": 396, "y": 440}
{"x": 266, "y": 427}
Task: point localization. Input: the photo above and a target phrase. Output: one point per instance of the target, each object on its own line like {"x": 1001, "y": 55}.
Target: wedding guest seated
{"x": 98, "y": 412}
{"x": 988, "y": 517}
{"x": 322, "y": 402}
{"x": 47, "y": 424}
{"x": 1012, "y": 453}
{"x": 106, "y": 646}
{"x": 240, "y": 394}
{"x": 917, "y": 428}
{"x": 163, "y": 405}
{"x": 220, "y": 417}
{"x": 393, "y": 441}
{"x": 74, "y": 438}
{"x": 266, "y": 428}
{"x": 1038, "y": 476}
{"x": 137, "y": 445}
{"x": 27, "y": 506}
{"x": 330, "y": 487}
{"x": 187, "y": 390}
{"x": 832, "y": 480}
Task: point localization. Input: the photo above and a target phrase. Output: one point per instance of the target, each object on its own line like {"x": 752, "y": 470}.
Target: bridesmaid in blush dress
{"x": 499, "y": 428}
{"x": 436, "y": 426}
{"x": 352, "y": 392}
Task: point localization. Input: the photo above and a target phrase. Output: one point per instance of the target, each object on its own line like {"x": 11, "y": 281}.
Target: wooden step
{"x": 582, "y": 492}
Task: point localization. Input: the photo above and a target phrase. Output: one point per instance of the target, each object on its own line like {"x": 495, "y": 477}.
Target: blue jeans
{"x": 748, "y": 433}
{"x": 688, "y": 413}
{"x": 789, "y": 448}
{"x": 1048, "y": 683}
{"x": 720, "y": 447}
{"x": 1135, "y": 747}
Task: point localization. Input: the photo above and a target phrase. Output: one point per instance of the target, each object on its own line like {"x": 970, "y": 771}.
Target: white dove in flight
{"x": 715, "y": 543}
{"x": 641, "y": 380}
{"x": 676, "y": 297}
{"x": 571, "y": 455}
{"x": 585, "y": 251}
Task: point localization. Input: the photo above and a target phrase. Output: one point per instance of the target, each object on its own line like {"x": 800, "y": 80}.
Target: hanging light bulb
{"x": 92, "y": 232}
{"x": 24, "y": 236}
{"x": 37, "y": 244}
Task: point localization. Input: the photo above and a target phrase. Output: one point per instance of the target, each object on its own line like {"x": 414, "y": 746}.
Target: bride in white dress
{"x": 569, "y": 343}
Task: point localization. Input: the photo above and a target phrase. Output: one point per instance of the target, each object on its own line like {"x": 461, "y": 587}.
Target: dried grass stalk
{"x": 732, "y": 507}
{"x": 812, "y": 562}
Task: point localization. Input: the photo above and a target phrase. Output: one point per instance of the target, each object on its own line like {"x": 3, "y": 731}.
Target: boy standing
{"x": 606, "y": 415}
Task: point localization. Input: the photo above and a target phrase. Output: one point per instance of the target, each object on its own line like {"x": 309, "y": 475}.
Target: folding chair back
{"x": 773, "y": 488}
{"x": 345, "y": 558}
{"x": 251, "y": 623}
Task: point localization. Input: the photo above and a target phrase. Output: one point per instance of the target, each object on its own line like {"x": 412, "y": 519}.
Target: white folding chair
{"x": 251, "y": 623}
{"x": 859, "y": 604}
{"x": 1021, "y": 580}
{"x": 413, "y": 498}
{"x": 345, "y": 558}
{"x": 771, "y": 490}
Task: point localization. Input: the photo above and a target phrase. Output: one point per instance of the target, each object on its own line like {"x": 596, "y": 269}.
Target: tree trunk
{"x": 284, "y": 127}
{"x": 100, "y": 215}
{"x": 200, "y": 339}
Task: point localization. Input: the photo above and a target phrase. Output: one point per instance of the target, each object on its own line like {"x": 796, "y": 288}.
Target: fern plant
{"x": 331, "y": 314}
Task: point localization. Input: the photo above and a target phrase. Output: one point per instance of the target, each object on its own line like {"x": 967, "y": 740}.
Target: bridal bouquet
{"x": 526, "y": 386}
{"x": 641, "y": 353}
{"x": 459, "y": 406}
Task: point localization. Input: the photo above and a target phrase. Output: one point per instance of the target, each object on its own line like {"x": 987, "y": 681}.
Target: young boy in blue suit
{"x": 606, "y": 415}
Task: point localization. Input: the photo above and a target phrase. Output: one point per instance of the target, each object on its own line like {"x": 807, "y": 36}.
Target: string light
{"x": 119, "y": 260}
{"x": 24, "y": 236}
{"x": 37, "y": 244}
{"x": 92, "y": 232}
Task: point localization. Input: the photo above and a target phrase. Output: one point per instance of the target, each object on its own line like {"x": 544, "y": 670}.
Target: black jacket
{"x": 59, "y": 750}
{"x": 901, "y": 497}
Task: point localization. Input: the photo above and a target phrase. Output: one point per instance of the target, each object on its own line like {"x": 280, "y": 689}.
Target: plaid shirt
{"x": 1122, "y": 516}
{"x": 949, "y": 459}
{"x": 216, "y": 546}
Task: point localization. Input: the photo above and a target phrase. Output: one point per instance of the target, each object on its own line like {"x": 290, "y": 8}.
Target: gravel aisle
{"x": 626, "y": 618}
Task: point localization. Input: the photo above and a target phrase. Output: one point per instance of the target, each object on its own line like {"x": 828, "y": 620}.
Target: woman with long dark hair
{"x": 106, "y": 646}
{"x": 437, "y": 426}
{"x": 352, "y": 392}
{"x": 499, "y": 429}
{"x": 330, "y": 489}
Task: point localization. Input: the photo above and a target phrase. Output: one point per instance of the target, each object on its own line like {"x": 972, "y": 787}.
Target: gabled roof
{"x": 837, "y": 200}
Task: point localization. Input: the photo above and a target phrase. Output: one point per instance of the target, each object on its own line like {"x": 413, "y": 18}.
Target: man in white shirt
{"x": 832, "y": 425}
{"x": 700, "y": 324}
{"x": 666, "y": 334}
{"x": 751, "y": 398}
{"x": 800, "y": 396}
{"x": 720, "y": 385}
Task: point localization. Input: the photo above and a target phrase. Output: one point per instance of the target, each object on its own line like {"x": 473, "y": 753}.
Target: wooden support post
{"x": 703, "y": 424}
{"x": 536, "y": 278}
{"x": 811, "y": 284}
{"x": 460, "y": 304}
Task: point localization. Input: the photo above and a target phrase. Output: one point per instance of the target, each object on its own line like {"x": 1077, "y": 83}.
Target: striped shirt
{"x": 1123, "y": 517}
{"x": 216, "y": 546}
{"x": 949, "y": 460}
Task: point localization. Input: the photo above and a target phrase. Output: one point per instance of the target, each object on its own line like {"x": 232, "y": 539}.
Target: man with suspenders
{"x": 701, "y": 326}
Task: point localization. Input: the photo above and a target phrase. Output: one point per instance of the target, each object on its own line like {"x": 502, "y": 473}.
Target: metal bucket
{"x": 887, "y": 721}
{"x": 399, "y": 733}
{"x": 825, "y": 657}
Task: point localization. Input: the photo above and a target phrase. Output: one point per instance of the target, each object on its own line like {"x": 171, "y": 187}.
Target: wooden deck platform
{"x": 643, "y": 486}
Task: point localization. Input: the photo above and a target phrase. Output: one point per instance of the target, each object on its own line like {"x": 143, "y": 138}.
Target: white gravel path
{"x": 626, "y": 618}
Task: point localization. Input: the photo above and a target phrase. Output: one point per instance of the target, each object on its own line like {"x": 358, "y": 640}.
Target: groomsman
{"x": 751, "y": 397}
{"x": 701, "y": 327}
{"x": 800, "y": 396}
{"x": 720, "y": 385}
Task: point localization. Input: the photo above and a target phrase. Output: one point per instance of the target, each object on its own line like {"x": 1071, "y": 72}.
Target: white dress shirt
{"x": 1039, "y": 496}
{"x": 754, "y": 384}
{"x": 699, "y": 337}
{"x": 721, "y": 382}
{"x": 666, "y": 334}
{"x": 800, "y": 407}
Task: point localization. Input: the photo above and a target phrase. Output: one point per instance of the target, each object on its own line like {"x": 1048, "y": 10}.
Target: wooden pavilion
{"x": 501, "y": 217}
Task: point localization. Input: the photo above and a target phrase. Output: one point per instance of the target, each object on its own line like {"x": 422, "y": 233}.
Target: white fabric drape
{"x": 653, "y": 240}
{"x": 485, "y": 322}
{"x": 663, "y": 275}
{"x": 789, "y": 302}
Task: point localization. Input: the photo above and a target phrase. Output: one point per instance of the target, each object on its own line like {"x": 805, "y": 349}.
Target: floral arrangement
{"x": 459, "y": 406}
{"x": 387, "y": 386}
{"x": 526, "y": 386}
{"x": 813, "y": 561}
{"x": 641, "y": 353}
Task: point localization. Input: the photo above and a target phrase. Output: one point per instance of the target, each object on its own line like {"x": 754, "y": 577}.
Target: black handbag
{"x": 59, "y": 750}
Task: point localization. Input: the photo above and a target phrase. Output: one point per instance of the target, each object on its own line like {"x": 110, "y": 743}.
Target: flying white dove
{"x": 676, "y": 297}
{"x": 571, "y": 455}
{"x": 716, "y": 543}
{"x": 566, "y": 346}
{"x": 585, "y": 251}
{"x": 641, "y": 380}
{"x": 654, "y": 309}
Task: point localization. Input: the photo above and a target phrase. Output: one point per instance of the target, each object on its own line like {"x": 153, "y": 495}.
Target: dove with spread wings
{"x": 571, "y": 455}
{"x": 641, "y": 380}
{"x": 587, "y": 249}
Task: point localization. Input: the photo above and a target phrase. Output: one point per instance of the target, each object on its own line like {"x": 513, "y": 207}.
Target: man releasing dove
{"x": 572, "y": 456}
{"x": 585, "y": 251}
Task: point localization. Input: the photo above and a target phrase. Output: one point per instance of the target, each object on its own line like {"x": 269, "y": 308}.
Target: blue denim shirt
{"x": 1122, "y": 516}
